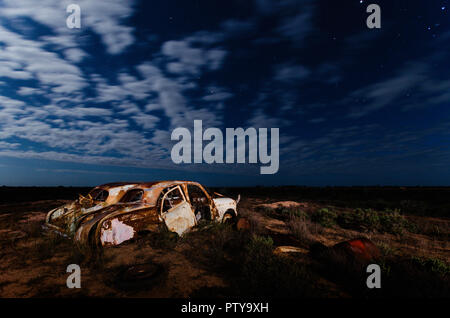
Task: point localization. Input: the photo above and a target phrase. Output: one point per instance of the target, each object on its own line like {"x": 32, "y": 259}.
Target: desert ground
{"x": 270, "y": 253}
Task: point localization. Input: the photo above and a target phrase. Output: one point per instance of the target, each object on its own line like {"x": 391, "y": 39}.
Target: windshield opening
{"x": 99, "y": 195}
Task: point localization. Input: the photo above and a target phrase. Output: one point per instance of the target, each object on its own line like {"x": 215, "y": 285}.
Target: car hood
{"x": 64, "y": 216}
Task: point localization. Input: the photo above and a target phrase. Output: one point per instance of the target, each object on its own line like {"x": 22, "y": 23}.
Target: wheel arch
{"x": 230, "y": 212}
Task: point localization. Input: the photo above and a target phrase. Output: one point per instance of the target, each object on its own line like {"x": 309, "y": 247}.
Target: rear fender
{"x": 121, "y": 226}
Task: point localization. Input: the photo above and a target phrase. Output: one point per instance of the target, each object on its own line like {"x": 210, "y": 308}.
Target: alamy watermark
{"x": 374, "y": 279}
{"x": 373, "y": 21}
{"x": 74, "y": 279}
{"x": 235, "y": 146}
{"x": 73, "y": 21}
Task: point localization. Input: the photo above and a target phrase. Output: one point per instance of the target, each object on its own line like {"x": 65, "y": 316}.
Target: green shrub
{"x": 325, "y": 217}
{"x": 163, "y": 238}
{"x": 267, "y": 274}
{"x": 434, "y": 265}
{"x": 390, "y": 221}
{"x": 260, "y": 246}
{"x": 387, "y": 249}
{"x": 291, "y": 212}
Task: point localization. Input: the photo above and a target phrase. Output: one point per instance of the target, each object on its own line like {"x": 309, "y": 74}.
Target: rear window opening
{"x": 134, "y": 195}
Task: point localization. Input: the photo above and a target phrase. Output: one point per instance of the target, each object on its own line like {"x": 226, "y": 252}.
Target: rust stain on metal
{"x": 117, "y": 212}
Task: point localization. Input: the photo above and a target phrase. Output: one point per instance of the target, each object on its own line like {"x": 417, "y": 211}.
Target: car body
{"x": 178, "y": 205}
{"x": 63, "y": 218}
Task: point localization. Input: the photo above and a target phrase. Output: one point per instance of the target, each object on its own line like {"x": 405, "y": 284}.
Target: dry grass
{"x": 305, "y": 230}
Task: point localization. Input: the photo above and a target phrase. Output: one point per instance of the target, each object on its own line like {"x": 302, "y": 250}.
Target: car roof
{"x": 115, "y": 184}
{"x": 147, "y": 185}
{"x": 164, "y": 183}
{"x": 153, "y": 189}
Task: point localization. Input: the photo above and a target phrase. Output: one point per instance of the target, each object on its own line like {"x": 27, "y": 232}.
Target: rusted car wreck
{"x": 114, "y": 213}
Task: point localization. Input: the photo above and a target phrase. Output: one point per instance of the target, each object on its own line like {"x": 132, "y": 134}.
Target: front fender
{"x": 223, "y": 205}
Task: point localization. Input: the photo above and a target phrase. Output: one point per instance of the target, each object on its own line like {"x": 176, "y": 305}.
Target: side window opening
{"x": 172, "y": 199}
{"x": 200, "y": 202}
{"x": 134, "y": 195}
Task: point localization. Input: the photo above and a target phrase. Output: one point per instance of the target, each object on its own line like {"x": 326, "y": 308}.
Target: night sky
{"x": 355, "y": 106}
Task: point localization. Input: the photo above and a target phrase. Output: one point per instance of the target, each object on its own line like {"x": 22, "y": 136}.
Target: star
{"x": 442, "y": 8}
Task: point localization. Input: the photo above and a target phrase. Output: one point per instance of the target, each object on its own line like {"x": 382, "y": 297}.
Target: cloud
{"x": 215, "y": 94}
{"x": 32, "y": 61}
{"x": 205, "y": 38}
{"x": 8, "y": 145}
{"x": 77, "y": 112}
{"x": 146, "y": 121}
{"x": 75, "y": 55}
{"x": 25, "y": 91}
{"x": 219, "y": 96}
{"x": 190, "y": 60}
{"x": 103, "y": 17}
{"x": 262, "y": 120}
{"x": 13, "y": 70}
{"x": 10, "y": 103}
{"x": 171, "y": 100}
{"x": 290, "y": 72}
{"x": 298, "y": 26}
{"x": 384, "y": 93}
{"x": 414, "y": 79}
{"x": 128, "y": 86}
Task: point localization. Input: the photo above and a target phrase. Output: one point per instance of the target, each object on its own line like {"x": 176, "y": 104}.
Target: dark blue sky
{"x": 355, "y": 106}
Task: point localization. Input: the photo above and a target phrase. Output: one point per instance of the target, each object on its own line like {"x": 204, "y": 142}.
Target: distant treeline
{"x": 430, "y": 201}
{"x": 27, "y": 194}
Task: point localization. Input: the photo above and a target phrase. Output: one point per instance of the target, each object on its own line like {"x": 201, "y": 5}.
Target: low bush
{"x": 324, "y": 217}
{"x": 434, "y": 265}
{"x": 415, "y": 277}
{"x": 266, "y": 274}
{"x": 390, "y": 221}
{"x": 290, "y": 212}
{"x": 304, "y": 230}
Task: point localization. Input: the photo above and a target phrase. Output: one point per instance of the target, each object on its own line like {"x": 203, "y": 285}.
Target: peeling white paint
{"x": 92, "y": 209}
{"x": 117, "y": 233}
{"x": 56, "y": 213}
{"x": 180, "y": 218}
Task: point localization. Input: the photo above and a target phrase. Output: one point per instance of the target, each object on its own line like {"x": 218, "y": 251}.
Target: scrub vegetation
{"x": 278, "y": 252}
